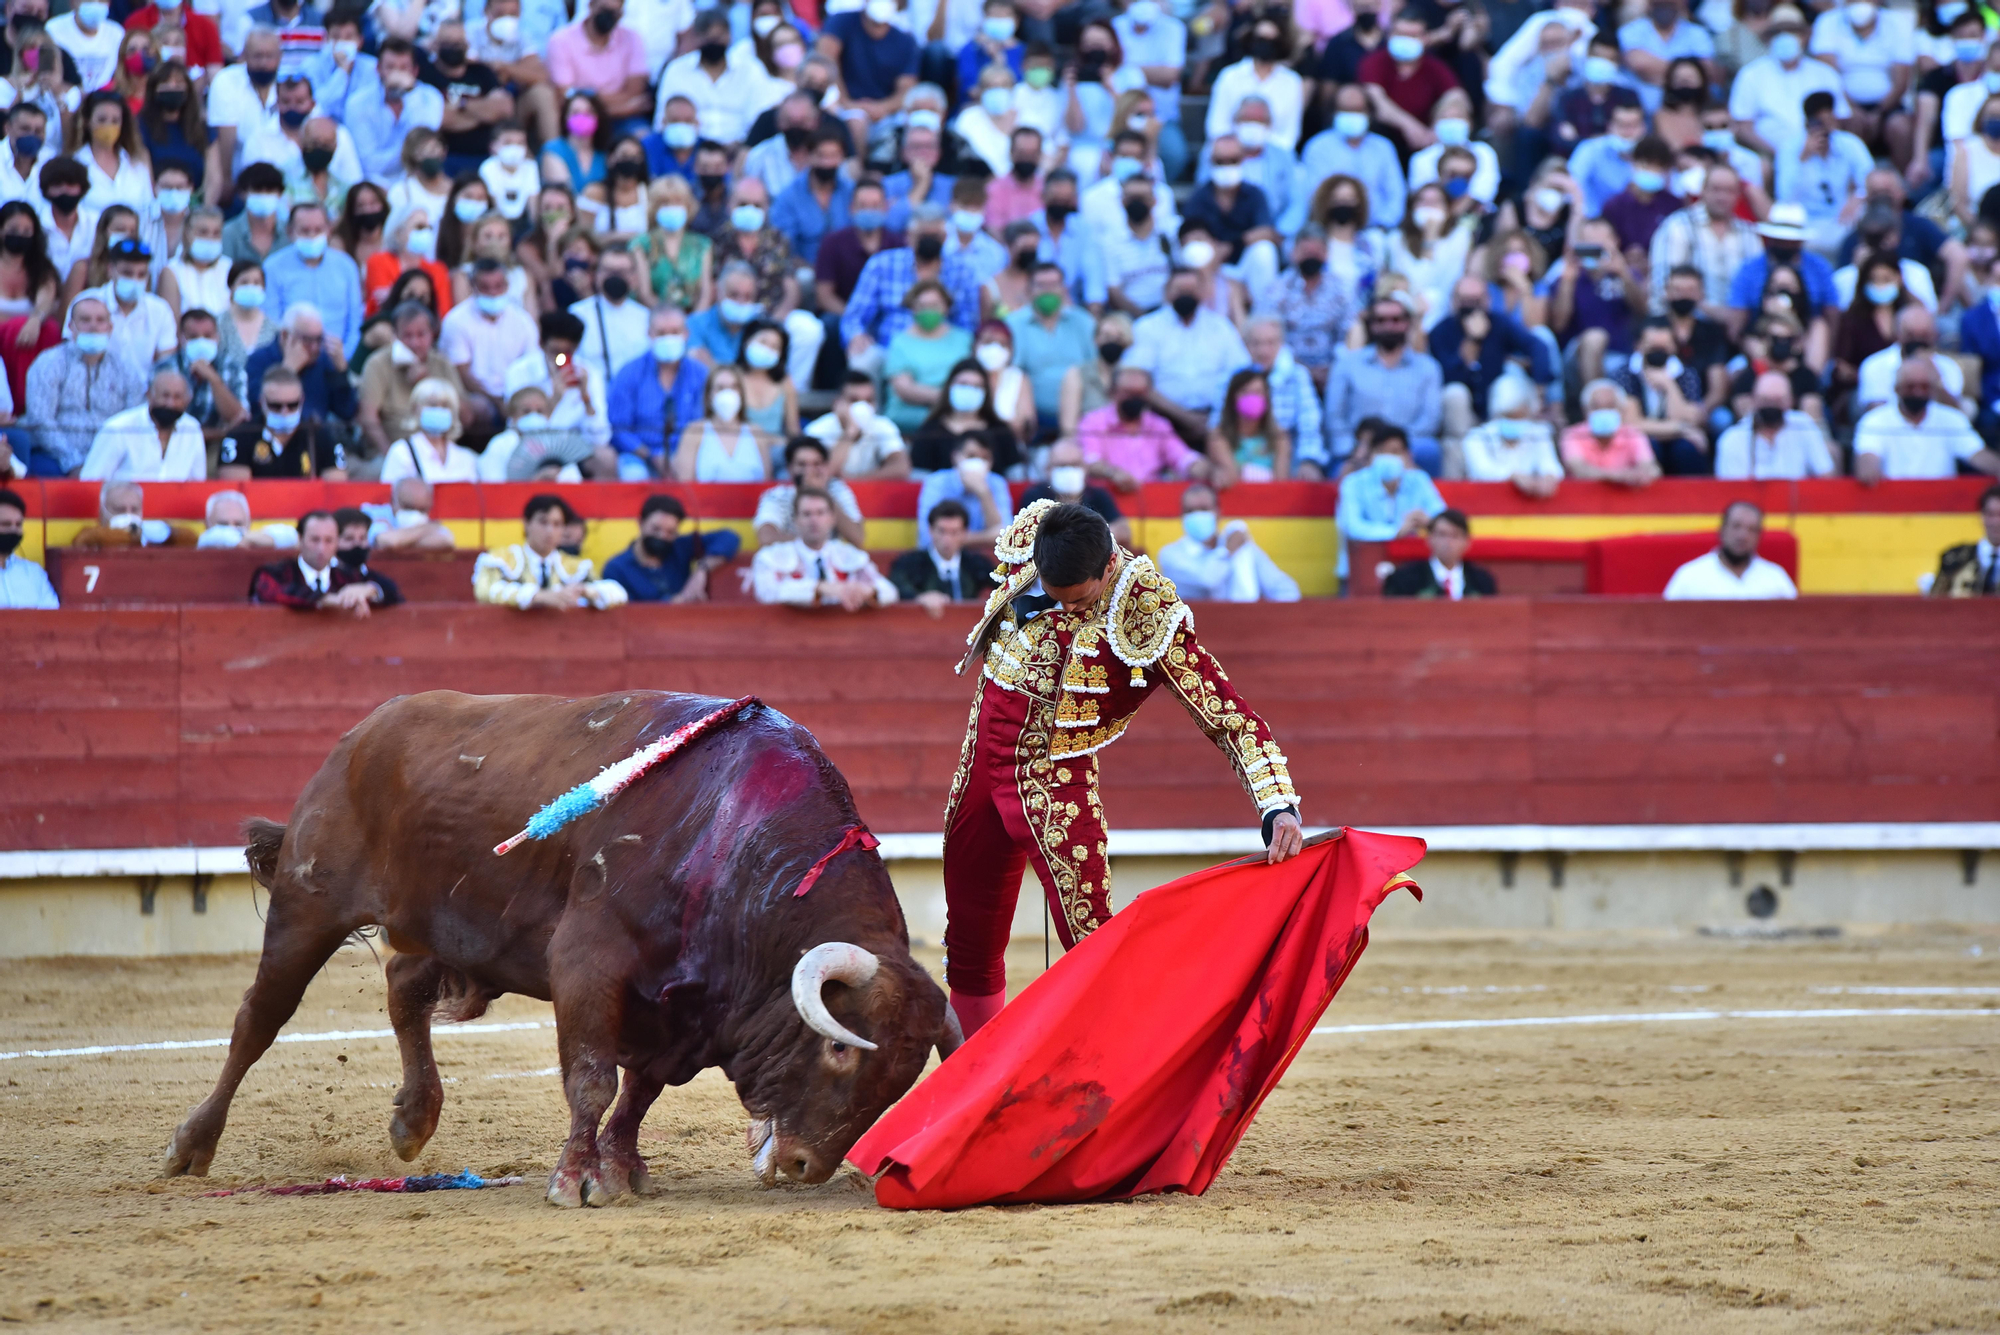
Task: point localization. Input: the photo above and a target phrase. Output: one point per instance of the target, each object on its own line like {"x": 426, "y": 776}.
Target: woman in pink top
{"x": 1605, "y": 446}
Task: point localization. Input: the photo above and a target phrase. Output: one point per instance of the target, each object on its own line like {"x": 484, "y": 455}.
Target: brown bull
{"x": 662, "y": 926}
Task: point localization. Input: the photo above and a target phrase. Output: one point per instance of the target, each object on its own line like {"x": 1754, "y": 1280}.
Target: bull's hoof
{"x": 189, "y": 1153}
{"x": 412, "y": 1127}
{"x": 626, "y": 1176}
{"x": 573, "y": 1190}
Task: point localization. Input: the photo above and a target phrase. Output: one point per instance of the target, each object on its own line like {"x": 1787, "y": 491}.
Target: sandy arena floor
{"x": 1735, "y": 1174}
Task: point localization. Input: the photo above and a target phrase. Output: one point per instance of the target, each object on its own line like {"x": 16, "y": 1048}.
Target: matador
{"x": 1062, "y": 674}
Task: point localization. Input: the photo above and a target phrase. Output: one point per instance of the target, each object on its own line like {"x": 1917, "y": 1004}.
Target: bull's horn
{"x": 831, "y": 961}
{"x": 951, "y": 1036}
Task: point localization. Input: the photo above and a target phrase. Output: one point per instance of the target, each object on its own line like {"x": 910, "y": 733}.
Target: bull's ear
{"x": 950, "y": 1035}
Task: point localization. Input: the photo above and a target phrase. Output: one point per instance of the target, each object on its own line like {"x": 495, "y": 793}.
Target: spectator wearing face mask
{"x": 1265, "y": 73}
{"x": 1878, "y": 233}
{"x": 412, "y": 357}
{"x": 974, "y": 483}
{"x": 1916, "y": 339}
{"x": 807, "y": 468}
{"x": 1069, "y": 483}
{"x": 1583, "y": 108}
{"x": 279, "y": 442}
{"x": 1594, "y": 297}
{"x": 530, "y": 450}
{"x": 1385, "y": 499}
{"x": 226, "y": 523}
{"x": 1604, "y": 447}
{"x": 312, "y": 272}
{"x": 665, "y": 565}
{"x": 142, "y": 325}
{"x": 1221, "y": 563}
{"x": 1514, "y": 444}
{"x": 410, "y": 527}
{"x": 1917, "y": 436}
{"x": 216, "y": 382}
{"x": 430, "y": 450}
{"x": 654, "y": 395}
{"x": 121, "y": 522}
{"x": 1388, "y": 380}
{"x": 23, "y": 583}
{"x": 339, "y": 72}
{"x": 1636, "y": 212}
{"x": 1475, "y": 347}
{"x": 862, "y": 443}
{"x": 1348, "y": 149}
{"x": 74, "y": 388}
{"x": 1452, "y": 124}
{"x": 1668, "y": 394}
{"x": 1238, "y": 216}
{"x": 154, "y": 442}
{"x": 614, "y": 321}
{"x": 1155, "y": 44}
{"x": 1603, "y": 166}
{"x": 1767, "y": 100}
{"x": 1404, "y": 82}
{"x": 1191, "y": 352}
{"x": 818, "y": 201}
{"x": 1775, "y": 440}
{"x": 1653, "y": 42}
{"x": 1125, "y": 443}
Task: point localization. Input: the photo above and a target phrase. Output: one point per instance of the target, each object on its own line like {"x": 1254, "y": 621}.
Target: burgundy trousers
{"x": 1014, "y": 806}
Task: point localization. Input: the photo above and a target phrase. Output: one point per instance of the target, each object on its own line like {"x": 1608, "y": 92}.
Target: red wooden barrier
{"x": 163, "y": 726}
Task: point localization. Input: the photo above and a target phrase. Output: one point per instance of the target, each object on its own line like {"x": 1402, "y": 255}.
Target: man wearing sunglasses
{"x": 281, "y": 440}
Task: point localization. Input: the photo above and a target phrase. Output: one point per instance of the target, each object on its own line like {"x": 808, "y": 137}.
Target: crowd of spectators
{"x": 1010, "y": 248}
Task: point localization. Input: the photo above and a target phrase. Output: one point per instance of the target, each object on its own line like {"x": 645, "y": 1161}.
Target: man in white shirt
{"x": 1264, "y": 73}
{"x": 577, "y": 392}
{"x": 1916, "y": 340}
{"x": 817, "y": 569}
{"x": 1775, "y": 440}
{"x": 27, "y": 126}
{"x": 1767, "y": 101}
{"x": 70, "y": 224}
{"x": 92, "y": 40}
{"x": 1916, "y": 437}
{"x": 614, "y": 324}
{"x": 143, "y": 328}
{"x": 154, "y": 442}
{"x": 728, "y": 94}
{"x": 1190, "y": 351}
{"x": 1221, "y": 564}
{"x": 23, "y": 583}
{"x": 243, "y": 99}
{"x": 1873, "y": 47}
{"x": 1733, "y": 569}
{"x": 806, "y": 469}
{"x": 1135, "y": 257}
{"x": 861, "y": 442}
{"x": 283, "y": 146}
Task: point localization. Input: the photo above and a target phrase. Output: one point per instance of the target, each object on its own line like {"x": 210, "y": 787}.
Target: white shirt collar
{"x": 1987, "y": 552}
{"x": 1451, "y": 581}
{"x": 320, "y": 581}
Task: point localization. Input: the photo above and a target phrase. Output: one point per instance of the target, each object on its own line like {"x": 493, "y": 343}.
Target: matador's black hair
{"x": 1072, "y": 545}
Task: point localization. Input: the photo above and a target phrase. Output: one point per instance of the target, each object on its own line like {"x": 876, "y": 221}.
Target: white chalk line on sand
{"x": 330, "y": 1036}
{"x": 1655, "y": 1017}
{"x": 1396, "y": 1027}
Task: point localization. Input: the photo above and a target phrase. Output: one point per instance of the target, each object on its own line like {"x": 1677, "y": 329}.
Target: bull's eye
{"x": 840, "y": 1047}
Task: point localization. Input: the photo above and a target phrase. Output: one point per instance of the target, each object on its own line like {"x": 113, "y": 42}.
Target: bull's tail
{"x": 261, "y": 841}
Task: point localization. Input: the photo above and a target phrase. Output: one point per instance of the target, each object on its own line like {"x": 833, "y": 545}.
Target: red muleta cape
{"x": 1136, "y": 1063}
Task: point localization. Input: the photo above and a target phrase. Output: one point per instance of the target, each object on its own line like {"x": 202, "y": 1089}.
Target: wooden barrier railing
{"x": 141, "y": 727}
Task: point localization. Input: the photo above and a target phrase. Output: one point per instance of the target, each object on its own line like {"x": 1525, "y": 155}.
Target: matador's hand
{"x": 1287, "y": 839}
